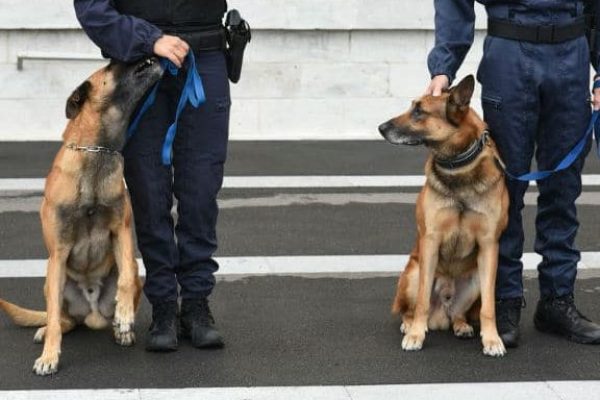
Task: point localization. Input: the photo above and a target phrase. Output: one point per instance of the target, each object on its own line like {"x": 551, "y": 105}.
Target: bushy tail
{"x": 22, "y": 316}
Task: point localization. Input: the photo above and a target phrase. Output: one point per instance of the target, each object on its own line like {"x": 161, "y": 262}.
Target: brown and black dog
{"x": 92, "y": 276}
{"x": 461, "y": 212}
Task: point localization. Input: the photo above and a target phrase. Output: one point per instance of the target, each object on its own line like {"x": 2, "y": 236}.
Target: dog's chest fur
{"x": 86, "y": 222}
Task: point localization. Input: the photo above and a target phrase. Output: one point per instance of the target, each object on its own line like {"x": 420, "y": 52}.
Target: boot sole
{"x": 203, "y": 345}
{"x": 544, "y": 327}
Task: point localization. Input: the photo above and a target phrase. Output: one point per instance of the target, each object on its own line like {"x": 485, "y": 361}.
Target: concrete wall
{"x": 316, "y": 69}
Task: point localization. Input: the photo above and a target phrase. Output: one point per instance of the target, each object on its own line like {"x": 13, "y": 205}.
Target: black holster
{"x": 238, "y": 36}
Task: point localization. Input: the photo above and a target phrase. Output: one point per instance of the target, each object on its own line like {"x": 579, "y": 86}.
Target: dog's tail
{"x": 23, "y": 316}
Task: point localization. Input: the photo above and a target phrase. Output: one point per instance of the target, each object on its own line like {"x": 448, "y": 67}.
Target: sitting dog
{"x": 92, "y": 276}
{"x": 461, "y": 212}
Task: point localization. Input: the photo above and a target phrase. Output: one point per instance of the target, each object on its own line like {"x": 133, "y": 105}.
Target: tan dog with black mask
{"x": 461, "y": 213}
{"x": 92, "y": 276}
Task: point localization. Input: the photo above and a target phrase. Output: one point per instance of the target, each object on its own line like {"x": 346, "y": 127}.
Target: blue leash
{"x": 573, "y": 154}
{"x": 193, "y": 92}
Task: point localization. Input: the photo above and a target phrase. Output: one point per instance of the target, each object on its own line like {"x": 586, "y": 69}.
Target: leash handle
{"x": 573, "y": 154}
{"x": 193, "y": 92}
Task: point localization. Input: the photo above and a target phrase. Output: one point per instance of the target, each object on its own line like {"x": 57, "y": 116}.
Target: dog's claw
{"x": 493, "y": 347}
{"x": 412, "y": 342}
{"x": 46, "y": 365}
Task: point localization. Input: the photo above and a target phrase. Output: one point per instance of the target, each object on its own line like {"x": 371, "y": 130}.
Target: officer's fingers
{"x": 429, "y": 89}
{"x": 183, "y": 46}
{"x": 174, "y": 59}
{"x": 437, "y": 89}
{"x": 180, "y": 53}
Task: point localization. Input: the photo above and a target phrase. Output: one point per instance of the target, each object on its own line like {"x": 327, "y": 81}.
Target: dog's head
{"x": 113, "y": 92}
{"x": 431, "y": 120}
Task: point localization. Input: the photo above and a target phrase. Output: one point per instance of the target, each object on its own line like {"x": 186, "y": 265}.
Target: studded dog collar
{"x": 465, "y": 157}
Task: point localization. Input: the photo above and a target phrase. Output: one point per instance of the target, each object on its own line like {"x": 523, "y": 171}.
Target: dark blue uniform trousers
{"x": 180, "y": 253}
{"x": 536, "y": 101}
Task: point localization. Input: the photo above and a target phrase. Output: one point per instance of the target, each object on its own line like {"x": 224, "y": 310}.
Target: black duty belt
{"x": 206, "y": 40}
{"x": 537, "y": 33}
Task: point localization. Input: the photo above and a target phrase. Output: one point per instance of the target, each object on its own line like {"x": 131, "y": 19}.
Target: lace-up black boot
{"x": 559, "y": 315}
{"x": 162, "y": 335}
{"x": 197, "y": 324}
{"x": 508, "y": 315}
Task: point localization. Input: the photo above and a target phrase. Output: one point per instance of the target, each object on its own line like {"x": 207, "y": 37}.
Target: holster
{"x": 238, "y": 36}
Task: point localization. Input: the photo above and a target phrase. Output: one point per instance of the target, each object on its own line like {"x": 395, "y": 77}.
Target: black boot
{"x": 162, "y": 335}
{"x": 197, "y": 324}
{"x": 508, "y": 315}
{"x": 559, "y": 315}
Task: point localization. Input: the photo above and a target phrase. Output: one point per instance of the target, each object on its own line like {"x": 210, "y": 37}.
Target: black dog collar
{"x": 465, "y": 157}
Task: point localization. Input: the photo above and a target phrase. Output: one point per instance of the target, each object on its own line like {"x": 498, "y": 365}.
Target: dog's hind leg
{"x": 128, "y": 283}
{"x": 466, "y": 294}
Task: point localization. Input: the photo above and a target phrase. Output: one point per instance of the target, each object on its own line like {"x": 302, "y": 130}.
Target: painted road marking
{"x": 256, "y": 182}
{"x": 292, "y": 265}
{"x": 542, "y": 390}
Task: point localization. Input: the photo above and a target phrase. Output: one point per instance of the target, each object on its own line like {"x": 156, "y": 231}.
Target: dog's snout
{"x": 385, "y": 127}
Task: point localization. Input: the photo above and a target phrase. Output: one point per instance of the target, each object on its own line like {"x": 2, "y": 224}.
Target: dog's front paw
{"x": 46, "y": 364}
{"x": 493, "y": 346}
{"x": 413, "y": 342}
{"x": 463, "y": 330}
{"x": 123, "y": 333}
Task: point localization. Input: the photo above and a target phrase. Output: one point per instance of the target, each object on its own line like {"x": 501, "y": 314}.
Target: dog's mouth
{"x": 144, "y": 65}
{"x": 397, "y": 136}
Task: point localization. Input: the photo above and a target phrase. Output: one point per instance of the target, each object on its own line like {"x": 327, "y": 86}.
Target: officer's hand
{"x": 438, "y": 83}
{"x": 173, "y": 48}
{"x": 596, "y": 99}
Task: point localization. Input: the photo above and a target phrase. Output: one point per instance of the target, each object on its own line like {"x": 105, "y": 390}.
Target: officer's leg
{"x": 199, "y": 155}
{"x": 150, "y": 188}
{"x": 510, "y": 105}
{"x": 565, "y": 116}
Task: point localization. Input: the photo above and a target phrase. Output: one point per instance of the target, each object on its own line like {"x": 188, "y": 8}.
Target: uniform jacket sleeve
{"x": 122, "y": 37}
{"x": 454, "y": 32}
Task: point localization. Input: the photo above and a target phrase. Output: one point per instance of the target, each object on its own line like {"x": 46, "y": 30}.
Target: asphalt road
{"x": 291, "y": 330}
{"x": 283, "y": 331}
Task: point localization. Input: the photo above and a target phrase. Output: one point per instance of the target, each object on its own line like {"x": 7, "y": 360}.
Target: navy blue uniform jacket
{"x": 455, "y": 28}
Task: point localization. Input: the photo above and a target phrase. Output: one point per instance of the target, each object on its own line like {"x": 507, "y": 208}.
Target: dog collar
{"x": 467, "y": 156}
{"x": 92, "y": 149}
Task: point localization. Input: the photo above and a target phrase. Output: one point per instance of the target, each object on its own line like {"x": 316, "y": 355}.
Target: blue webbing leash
{"x": 573, "y": 154}
{"x": 193, "y": 92}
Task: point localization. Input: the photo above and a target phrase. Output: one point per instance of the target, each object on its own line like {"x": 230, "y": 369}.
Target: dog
{"x": 461, "y": 212}
{"x": 92, "y": 275}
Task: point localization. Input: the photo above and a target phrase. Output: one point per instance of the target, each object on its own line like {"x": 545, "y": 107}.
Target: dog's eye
{"x": 417, "y": 112}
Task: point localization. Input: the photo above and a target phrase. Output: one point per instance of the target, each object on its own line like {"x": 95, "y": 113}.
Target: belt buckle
{"x": 545, "y": 33}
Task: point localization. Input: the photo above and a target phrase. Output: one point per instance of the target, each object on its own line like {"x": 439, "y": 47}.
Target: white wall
{"x": 316, "y": 69}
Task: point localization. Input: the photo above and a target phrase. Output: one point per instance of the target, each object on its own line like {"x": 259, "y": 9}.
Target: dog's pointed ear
{"x": 77, "y": 98}
{"x": 459, "y": 100}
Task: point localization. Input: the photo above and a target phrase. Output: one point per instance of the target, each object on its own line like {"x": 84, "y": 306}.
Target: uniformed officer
{"x": 128, "y": 30}
{"x": 535, "y": 95}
